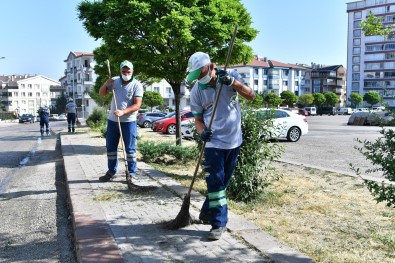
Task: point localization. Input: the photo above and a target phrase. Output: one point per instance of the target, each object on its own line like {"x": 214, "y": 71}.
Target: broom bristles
{"x": 183, "y": 218}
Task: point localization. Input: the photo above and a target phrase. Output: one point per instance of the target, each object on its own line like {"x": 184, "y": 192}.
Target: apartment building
{"x": 79, "y": 80}
{"x": 371, "y": 58}
{"x": 26, "y": 93}
{"x": 164, "y": 88}
{"x": 325, "y": 79}
{"x": 272, "y": 76}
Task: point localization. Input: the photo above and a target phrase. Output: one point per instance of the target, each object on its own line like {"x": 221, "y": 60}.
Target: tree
{"x": 272, "y": 100}
{"x": 160, "y": 36}
{"x": 355, "y": 99}
{"x": 373, "y": 26}
{"x": 289, "y": 97}
{"x": 306, "y": 99}
{"x": 331, "y": 98}
{"x": 372, "y": 97}
{"x": 60, "y": 105}
{"x": 152, "y": 99}
{"x": 256, "y": 103}
{"x": 319, "y": 98}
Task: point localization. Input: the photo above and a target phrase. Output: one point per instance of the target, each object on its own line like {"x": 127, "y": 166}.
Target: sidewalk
{"x": 112, "y": 225}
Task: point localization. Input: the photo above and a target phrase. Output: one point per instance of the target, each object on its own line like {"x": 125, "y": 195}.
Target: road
{"x": 33, "y": 199}
{"x": 329, "y": 145}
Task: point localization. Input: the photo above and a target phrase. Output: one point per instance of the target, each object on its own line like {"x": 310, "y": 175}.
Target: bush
{"x": 249, "y": 179}
{"x": 381, "y": 153}
{"x": 165, "y": 153}
{"x": 97, "y": 119}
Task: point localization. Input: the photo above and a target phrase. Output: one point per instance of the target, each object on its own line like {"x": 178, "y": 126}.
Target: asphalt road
{"x": 34, "y": 215}
{"x": 329, "y": 145}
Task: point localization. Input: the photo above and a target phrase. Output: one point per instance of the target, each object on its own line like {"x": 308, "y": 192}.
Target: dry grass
{"x": 329, "y": 217}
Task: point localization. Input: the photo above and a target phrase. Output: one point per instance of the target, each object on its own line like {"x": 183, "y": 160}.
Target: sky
{"x": 37, "y": 36}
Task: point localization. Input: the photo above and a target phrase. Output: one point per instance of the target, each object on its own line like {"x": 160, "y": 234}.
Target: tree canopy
{"x": 319, "y": 98}
{"x": 306, "y": 99}
{"x": 272, "y": 100}
{"x": 355, "y": 99}
{"x": 372, "y": 97}
{"x": 159, "y": 36}
{"x": 152, "y": 99}
{"x": 289, "y": 97}
{"x": 331, "y": 98}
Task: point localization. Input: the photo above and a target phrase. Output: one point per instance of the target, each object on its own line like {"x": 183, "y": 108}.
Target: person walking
{"x": 44, "y": 112}
{"x": 71, "y": 112}
{"x": 224, "y": 138}
{"x": 129, "y": 95}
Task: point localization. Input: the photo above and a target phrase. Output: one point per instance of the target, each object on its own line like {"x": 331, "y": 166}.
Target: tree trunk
{"x": 177, "y": 97}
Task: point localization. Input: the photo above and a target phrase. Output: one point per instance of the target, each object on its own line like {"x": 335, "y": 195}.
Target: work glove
{"x": 206, "y": 135}
{"x": 224, "y": 78}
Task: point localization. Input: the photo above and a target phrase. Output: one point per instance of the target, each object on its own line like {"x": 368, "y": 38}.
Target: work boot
{"x": 216, "y": 233}
{"x": 205, "y": 218}
{"x": 107, "y": 177}
{"x": 73, "y": 130}
{"x": 69, "y": 130}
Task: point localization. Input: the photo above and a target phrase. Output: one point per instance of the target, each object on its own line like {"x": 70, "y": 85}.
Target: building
{"x": 265, "y": 75}
{"x": 164, "y": 88}
{"x": 79, "y": 80}
{"x": 371, "y": 58}
{"x": 325, "y": 79}
{"x": 26, "y": 93}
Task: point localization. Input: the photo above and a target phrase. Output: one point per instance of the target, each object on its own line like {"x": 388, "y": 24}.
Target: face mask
{"x": 126, "y": 77}
{"x": 206, "y": 79}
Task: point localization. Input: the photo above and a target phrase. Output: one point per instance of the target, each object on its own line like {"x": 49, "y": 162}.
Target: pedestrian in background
{"x": 129, "y": 95}
{"x": 44, "y": 112}
{"x": 71, "y": 112}
{"x": 224, "y": 138}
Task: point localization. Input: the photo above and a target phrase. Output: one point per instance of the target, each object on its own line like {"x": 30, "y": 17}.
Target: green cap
{"x": 126, "y": 63}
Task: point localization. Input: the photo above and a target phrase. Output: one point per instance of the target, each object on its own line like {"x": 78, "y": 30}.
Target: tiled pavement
{"x": 113, "y": 225}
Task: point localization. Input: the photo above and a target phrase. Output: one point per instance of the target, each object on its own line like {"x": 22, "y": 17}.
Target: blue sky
{"x": 36, "y": 36}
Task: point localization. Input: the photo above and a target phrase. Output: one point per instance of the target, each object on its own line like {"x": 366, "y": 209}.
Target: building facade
{"x": 79, "y": 80}
{"x": 164, "y": 88}
{"x": 26, "y": 93}
{"x": 271, "y": 76}
{"x": 371, "y": 59}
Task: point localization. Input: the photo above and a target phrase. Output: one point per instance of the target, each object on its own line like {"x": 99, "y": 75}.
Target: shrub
{"x": 381, "y": 153}
{"x": 97, "y": 119}
{"x": 165, "y": 152}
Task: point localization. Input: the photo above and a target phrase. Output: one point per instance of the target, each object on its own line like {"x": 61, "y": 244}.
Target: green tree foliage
{"x": 256, "y": 103}
{"x": 331, "y": 98}
{"x": 272, "y": 100}
{"x": 306, "y": 99}
{"x": 355, "y": 99}
{"x": 160, "y": 36}
{"x": 152, "y": 99}
{"x": 373, "y": 26}
{"x": 60, "y": 105}
{"x": 319, "y": 98}
{"x": 289, "y": 98}
{"x": 372, "y": 97}
{"x": 253, "y": 173}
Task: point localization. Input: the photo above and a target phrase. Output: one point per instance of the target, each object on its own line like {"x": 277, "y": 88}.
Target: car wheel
{"x": 171, "y": 129}
{"x": 147, "y": 124}
{"x": 294, "y": 134}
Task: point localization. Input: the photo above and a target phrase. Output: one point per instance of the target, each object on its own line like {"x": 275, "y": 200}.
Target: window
{"x": 357, "y": 41}
{"x": 357, "y": 24}
{"x": 358, "y": 15}
{"x": 22, "y": 86}
{"x": 356, "y": 59}
{"x": 356, "y": 76}
{"x": 255, "y": 71}
{"x": 285, "y": 83}
{"x": 15, "y": 94}
{"x": 355, "y": 86}
{"x": 355, "y": 68}
{"x": 285, "y": 72}
{"x": 30, "y": 94}
{"x": 23, "y": 94}
{"x": 29, "y": 86}
{"x": 356, "y": 50}
{"x": 357, "y": 33}
{"x": 390, "y": 55}
{"x": 156, "y": 89}
{"x": 36, "y": 86}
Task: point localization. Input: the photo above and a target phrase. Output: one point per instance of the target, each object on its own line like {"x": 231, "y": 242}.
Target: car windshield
{"x": 172, "y": 114}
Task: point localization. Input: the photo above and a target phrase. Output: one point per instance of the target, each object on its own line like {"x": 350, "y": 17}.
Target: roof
{"x": 329, "y": 68}
{"x": 77, "y": 54}
{"x": 265, "y": 63}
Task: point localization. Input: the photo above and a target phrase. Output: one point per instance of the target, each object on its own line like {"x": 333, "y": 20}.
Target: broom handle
{"x": 119, "y": 123}
{"x": 232, "y": 42}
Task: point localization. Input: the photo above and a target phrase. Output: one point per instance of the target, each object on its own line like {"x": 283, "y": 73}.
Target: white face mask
{"x": 126, "y": 77}
{"x": 206, "y": 79}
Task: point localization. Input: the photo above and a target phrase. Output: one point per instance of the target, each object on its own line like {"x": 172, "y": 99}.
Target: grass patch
{"x": 108, "y": 196}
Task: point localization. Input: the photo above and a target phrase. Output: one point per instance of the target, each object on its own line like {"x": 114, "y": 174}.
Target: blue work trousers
{"x": 71, "y": 121}
{"x": 219, "y": 165}
{"x": 129, "y": 134}
{"x": 44, "y": 121}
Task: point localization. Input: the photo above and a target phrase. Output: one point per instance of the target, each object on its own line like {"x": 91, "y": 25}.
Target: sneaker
{"x": 216, "y": 233}
{"x": 107, "y": 177}
{"x": 133, "y": 176}
{"x": 205, "y": 218}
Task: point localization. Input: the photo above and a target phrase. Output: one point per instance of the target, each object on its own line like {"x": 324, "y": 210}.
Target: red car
{"x": 168, "y": 125}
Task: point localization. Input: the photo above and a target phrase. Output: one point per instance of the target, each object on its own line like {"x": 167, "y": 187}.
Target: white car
{"x": 188, "y": 128}
{"x": 288, "y": 125}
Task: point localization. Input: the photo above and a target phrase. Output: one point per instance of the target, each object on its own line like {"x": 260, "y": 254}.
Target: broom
{"x": 184, "y": 218}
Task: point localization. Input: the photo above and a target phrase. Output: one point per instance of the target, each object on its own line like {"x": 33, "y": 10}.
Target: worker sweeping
{"x": 224, "y": 138}
{"x": 127, "y": 98}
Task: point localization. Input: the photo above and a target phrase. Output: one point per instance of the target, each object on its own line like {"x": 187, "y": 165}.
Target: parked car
{"x": 62, "y": 117}
{"x": 30, "y": 118}
{"x": 303, "y": 112}
{"x": 344, "y": 111}
{"x": 53, "y": 117}
{"x": 168, "y": 125}
{"x": 311, "y": 110}
{"x": 169, "y": 115}
{"x": 361, "y": 109}
{"x": 188, "y": 128}
{"x": 38, "y": 118}
{"x": 146, "y": 119}
{"x": 379, "y": 108}
{"x": 322, "y": 110}
{"x": 288, "y": 125}
{"x": 370, "y": 118}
